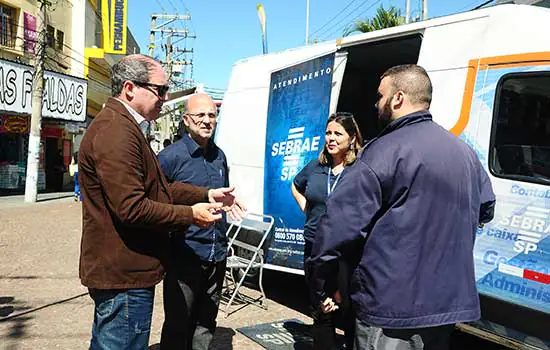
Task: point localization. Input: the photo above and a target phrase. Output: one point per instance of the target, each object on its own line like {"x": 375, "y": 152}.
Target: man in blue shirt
{"x": 192, "y": 287}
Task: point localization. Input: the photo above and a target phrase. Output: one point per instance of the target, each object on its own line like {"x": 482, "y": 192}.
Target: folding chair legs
{"x": 260, "y": 282}
{"x": 235, "y": 292}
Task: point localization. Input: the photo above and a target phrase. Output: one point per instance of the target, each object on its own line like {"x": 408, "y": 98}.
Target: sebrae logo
{"x": 292, "y": 150}
{"x": 532, "y": 226}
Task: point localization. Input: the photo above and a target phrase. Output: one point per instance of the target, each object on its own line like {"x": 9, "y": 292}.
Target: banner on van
{"x": 298, "y": 109}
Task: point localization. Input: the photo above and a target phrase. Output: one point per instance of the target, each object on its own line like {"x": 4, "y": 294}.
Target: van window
{"x": 520, "y": 144}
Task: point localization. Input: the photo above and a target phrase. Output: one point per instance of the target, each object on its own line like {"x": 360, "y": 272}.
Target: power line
{"x": 162, "y": 7}
{"x": 332, "y": 27}
{"x": 172, "y": 4}
{"x": 469, "y": 6}
{"x": 357, "y": 17}
{"x": 480, "y": 6}
{"x": 99, "y": 82}
{"x": 333, "y": 18}
{"x": 104, "y": 72}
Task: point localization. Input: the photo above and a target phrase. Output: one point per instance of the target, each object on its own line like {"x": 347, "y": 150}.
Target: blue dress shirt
{"x": 185, "y": 161}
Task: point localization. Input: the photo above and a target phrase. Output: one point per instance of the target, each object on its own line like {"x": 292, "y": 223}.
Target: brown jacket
{"x": 127, "y": 204}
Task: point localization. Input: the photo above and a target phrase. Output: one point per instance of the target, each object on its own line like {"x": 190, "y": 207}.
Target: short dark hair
{"x": 131, "y": 68}
{"x": 347, "y": 121}
{"x": 413, "y": 80}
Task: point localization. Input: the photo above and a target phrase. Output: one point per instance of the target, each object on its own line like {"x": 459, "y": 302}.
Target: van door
{"x": 511, "y": 117}
{"x": 301, "y": 98}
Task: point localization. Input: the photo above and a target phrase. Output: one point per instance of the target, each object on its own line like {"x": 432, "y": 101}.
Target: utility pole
{"x": 152, "y": 35}
{"x": 161, "y": 26}
{"x": 165, "y": 129}
{"x": 172, "y": 32}
{"x": 424, "y": 10}
{"x": 169, "y": 50}
{"x": 407, "y": 10}
{"x": 33, "y": 156}
{"x": 307, "y": 22}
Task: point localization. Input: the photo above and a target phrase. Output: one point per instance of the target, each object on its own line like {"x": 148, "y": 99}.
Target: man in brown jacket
{"x": 129, "y": 209}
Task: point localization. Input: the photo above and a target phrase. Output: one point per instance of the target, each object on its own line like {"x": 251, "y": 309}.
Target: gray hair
{"x": 131, "y": 68}
{"x": 413, "y": 80}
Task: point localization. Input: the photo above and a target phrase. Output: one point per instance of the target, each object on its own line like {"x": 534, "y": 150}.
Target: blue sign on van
{"x": 299, "y": 103}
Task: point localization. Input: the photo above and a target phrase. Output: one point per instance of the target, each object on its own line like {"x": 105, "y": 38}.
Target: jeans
{"x": 122, "y": 318}
{"x": 375, "y": 338}
{"x": 192, "y": 295}
{"x": 77, "y": 194}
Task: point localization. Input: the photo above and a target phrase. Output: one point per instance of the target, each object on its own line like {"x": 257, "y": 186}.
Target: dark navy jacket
{"x": 408, "y": 210}
{"x": 185, "y": 161}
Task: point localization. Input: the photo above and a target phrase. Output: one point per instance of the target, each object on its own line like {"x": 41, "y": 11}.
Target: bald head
{"x": 200, "y": 118}
{"x": 198, "y": 100}
{"x": 414, "y": 81}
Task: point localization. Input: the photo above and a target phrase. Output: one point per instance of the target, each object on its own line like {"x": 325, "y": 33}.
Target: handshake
{"x": 220, "y": 200}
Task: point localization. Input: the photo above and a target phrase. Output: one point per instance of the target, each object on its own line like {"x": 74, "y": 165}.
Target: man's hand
{"x": 205, "y": 214}
{"x": 328, "y": 306}
{"x": 230, "y": 203}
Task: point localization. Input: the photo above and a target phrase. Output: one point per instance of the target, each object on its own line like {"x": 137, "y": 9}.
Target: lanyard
{"x": 329, "y": 188}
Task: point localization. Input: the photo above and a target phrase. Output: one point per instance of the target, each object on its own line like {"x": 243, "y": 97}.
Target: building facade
{"x": 78, "y": 59}
{"x": 65, "y": 89}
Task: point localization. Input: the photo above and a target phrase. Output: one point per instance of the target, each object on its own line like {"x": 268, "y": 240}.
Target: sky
{"x": 228, "y": 31}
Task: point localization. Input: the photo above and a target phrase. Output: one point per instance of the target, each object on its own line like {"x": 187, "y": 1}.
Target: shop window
{"x": 8, "y": 28}
{"x": 520, "y": 145}
{"x": 59, "y": 43}
{"x": 50, "y": 36}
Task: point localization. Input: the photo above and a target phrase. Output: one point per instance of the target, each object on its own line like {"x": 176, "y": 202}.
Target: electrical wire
{"x": 482, "y": 5}
{"x": 357, "y": 17}
{"x": 48, "y": 56}
{"x": 332, "y": 27}
{"x": 333, "y": 18}
{"x": 162, "y": 7}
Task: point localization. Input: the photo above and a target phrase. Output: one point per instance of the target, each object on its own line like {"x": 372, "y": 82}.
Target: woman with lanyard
{"x": 311, "y": 188}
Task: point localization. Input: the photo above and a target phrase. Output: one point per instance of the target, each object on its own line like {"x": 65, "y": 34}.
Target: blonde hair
{"x": 347, "y": 121}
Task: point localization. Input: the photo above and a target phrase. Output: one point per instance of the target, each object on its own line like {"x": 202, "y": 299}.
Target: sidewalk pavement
{"x": 42, "y": 303}
{"x": 7, "y": 202}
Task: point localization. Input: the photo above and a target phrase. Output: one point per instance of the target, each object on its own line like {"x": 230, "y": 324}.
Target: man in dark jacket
{"x": 129, "y": 208}
{"x": 407, "y": 215}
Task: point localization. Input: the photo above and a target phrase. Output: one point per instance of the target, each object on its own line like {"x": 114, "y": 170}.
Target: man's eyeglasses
{"x": 161, "y": 89}
{"x": 201, "y": 116}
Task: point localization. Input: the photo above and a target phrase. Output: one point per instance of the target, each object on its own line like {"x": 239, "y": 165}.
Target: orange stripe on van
{"x": 496, "y": 62}
{"x": 467, "y": 98}
{"x": 523, "y": 58}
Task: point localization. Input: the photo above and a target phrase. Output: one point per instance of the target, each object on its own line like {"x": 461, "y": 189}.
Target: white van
{"x": 491, "y": 74}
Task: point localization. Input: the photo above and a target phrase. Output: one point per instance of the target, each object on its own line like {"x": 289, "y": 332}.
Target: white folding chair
{"x": 246, "y": 252}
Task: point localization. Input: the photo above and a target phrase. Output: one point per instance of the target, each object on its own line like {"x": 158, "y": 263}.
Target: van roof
{"x": 516, "y": 14}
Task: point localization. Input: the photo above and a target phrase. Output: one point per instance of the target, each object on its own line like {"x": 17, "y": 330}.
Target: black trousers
{"x": 324, "y": 325}
{"x": 192, "y": 292}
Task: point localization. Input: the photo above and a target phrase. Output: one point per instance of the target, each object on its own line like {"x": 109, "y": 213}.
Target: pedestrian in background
{"x": 192, "y": 287}
{"x": 129, "y": 209}
{"x": 311, "y": 188}
{"x": 409, "y": 210}
{"x": 73, "y": 171}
